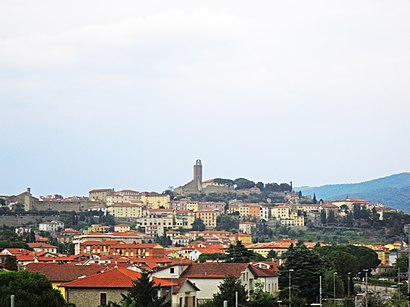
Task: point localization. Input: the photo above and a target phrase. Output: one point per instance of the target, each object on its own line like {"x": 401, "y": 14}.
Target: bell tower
{"x": 198, "y": 174}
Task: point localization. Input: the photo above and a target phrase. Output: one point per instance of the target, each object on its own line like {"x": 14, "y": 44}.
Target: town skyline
{"x": 130, "y": 96}
{"x": 85, "y": 190}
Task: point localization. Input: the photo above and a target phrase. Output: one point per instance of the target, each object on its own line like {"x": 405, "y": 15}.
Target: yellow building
{"x": 184, "y": 219}
{"x": 244, "y": 238}
{"x": 100, "y": 194}
{"x": 98, "y": 228}
{"x": 207, "y": 216}
{"x": 242, "y": 210}
{"x": 299, "y": 221}
{"x": 280, "y": 212}
{"x": 192, "y": 205}
{"x": 155, "y": 200}
{"x": 125, "y": 210}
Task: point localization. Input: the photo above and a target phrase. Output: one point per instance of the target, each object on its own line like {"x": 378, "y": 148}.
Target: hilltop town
{"x": 190, "y": 238}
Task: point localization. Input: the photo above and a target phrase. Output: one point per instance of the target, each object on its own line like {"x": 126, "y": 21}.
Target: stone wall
{"x": 17, "y": 221}
{"x": 91, "y": 297}
{"x": 66, "y": 205}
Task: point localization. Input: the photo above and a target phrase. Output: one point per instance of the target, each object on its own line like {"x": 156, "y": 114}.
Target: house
{"x": 267, "y": 273}
{"x": 122, "y": 228}
{"x": 208, "y": 217}
{"x": 208, "y": 276}
{"x": 137, "y": 250}
{"x": 180, "y": 241}
{"x": 184, "y": 293}
{"x": 67, "y": 235}
{"x": 52, "y": 226}
{"x": 43, "y": 247}
{"x": 61, "y": 273}
{"x": 246, "y": 227}
{"x": 99, "y": 289}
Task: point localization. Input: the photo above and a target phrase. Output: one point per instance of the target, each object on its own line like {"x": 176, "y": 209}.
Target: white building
{"x": 52, "y": 226}
{"x": 264, "y": 213}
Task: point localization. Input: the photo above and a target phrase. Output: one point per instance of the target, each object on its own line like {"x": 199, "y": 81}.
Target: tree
{"x": 261, "y": 298}
{"x": 213, "y": 256}
{"x": 402, "y": 263}
{"x": 271, "y": 254}
{"x": 323, "y": 218}
{"x": 11, "y": 263}
{"x": 331, "y": 217}
{"x": 243, "y": 183}
{"x": 227, "y": 290}
{"x": 238, "y": 253}
{"x": 345, "y": 259}
{"x": 307, "y": 266}
{"x": 144, "y": 292}
{"x": 262, "y": 230}
{"x": 198, "y": 225}
{"x": 30, "y": 289}
{"x": 227, "y": 222}
{"x": 314, "y": 200}
{"x": 260, "y": 186}
{"x": 328, "y": 290}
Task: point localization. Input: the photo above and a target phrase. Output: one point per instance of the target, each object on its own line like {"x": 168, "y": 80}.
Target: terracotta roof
{"x": 101, "y": 190}
{"x": 41, "y": 245}
{"x": 180, "y": 282}
{"x": 29, "y": 257}
{"x": 137, "y": 245}
{"x": 258, "y": 272}
{"x": 106, "y": 242}
{"x": 208, "y": 270}
{"x": 64, "y": 272}
{"x": 16, "y": 251}
{"x": 114, "y": 278}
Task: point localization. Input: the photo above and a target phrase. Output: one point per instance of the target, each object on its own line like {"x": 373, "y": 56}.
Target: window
{"x": 172, "y": 270}
{"x": 103, "y": 299}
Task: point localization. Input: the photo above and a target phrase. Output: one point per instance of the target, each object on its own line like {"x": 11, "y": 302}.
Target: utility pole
{"x": 236, "y": 298}
{"x": 12, "y": 300}
{"x": 398, "y": 283}
{"x": 290, "y": 287}
{"x": 320, "y": 290}
{"x": 365, "y": 270}
{"x": 408, "y": 269}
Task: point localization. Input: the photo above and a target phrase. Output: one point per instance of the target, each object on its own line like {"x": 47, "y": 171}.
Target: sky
{"x": 128, "y": 94}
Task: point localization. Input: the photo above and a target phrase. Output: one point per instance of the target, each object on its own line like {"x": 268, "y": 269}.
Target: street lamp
{"x": 365, "y": 272}
{"x": 348, "y": 284}
{"x": 334, "y": 286}
{"x": 290, "y": 286}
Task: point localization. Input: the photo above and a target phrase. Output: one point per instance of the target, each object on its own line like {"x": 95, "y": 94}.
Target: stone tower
{"x": 28, "y": 200}
{"x": 198, "y": 174}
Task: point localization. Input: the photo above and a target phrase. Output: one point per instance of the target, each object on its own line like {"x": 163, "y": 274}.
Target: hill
{"x": 393, "y": 191}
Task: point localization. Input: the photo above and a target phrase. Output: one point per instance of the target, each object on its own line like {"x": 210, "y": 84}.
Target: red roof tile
{"x": 64, "y": 272}
{"x": 114, "y": 278}
{"x": 214, "y": 270}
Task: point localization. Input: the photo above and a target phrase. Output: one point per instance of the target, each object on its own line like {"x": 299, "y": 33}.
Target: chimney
{"x": 29, "y": 191}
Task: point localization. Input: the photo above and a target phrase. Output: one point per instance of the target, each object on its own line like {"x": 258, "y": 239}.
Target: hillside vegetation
{"x": 393, "y": 191}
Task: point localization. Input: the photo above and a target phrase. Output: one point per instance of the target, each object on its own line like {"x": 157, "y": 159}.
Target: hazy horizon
{"x": 97, "y": 94}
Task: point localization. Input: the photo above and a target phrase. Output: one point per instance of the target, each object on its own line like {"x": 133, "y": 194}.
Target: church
{"x": 197, "y": 186}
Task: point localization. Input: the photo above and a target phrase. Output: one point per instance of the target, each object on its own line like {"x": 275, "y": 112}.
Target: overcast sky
{"x": 127, "y": 94}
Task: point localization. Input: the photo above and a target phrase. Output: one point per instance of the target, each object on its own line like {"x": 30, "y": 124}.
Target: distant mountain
{"x": 393, "y": 191}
